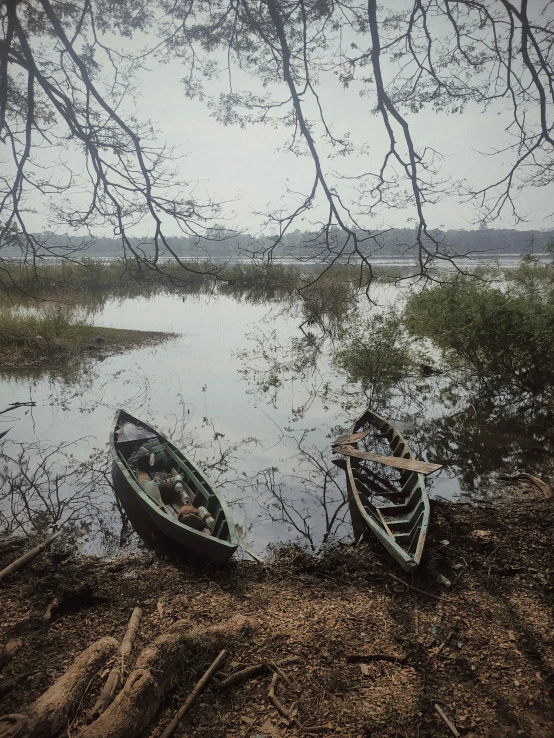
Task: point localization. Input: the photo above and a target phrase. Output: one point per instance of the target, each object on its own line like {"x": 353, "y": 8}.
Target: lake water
{"x": 244, "y": 394}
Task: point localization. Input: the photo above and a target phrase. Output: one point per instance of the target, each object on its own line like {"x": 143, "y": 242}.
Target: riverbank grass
{"x": 53, "y": 336}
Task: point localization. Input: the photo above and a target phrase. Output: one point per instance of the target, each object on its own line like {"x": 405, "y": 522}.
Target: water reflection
{"x": 253, "y": 392}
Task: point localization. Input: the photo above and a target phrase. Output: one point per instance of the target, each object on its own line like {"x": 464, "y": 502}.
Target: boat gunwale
{"x": 152, "y": 508}
{"x": 406, "y": 560}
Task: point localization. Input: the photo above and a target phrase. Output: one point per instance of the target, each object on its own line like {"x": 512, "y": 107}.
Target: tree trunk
{"x": 47, "y": 716}
{"x": 154, "y": 674}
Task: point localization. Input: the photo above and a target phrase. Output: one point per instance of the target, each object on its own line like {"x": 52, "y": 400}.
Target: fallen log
{"x": 200, "y": 686}
{"x": 155, "y": 672}
{"x": 112, "y": 682}
{"x": 8, "y": 651}
{"x": 47, "y": 716}
{"x": 29, "y": 556}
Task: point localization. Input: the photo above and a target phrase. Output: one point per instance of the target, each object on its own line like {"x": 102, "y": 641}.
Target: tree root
{"x": 154, "y": 674}
{"x": 47, "y": 716}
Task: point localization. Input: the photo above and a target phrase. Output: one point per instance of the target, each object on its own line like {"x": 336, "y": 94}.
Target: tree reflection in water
{"x": 336, "y": 363}
{"x": 311, "y": 502}
{"x": 45, "y": 485}
{"x": 446, "y": 416}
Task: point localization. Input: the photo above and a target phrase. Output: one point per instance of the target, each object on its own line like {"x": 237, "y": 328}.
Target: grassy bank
{"x": 483, "y": 649}
{"x": 53, "y": 336}
{"x": 94, "y": 277}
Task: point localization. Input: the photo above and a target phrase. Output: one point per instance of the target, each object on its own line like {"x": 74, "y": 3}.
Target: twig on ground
{"x": 193, "y": 695}
{"x": 251, "y": 672}
{"x": 357, "y": 657}
{"x": 448, "y": 722}
{"x": 29, "y": 556}
{"x": 443, "y": 644}
{"x": 317, "y": 729}
{"x": 277, "y": 703}
{"x": 421, "y": 591}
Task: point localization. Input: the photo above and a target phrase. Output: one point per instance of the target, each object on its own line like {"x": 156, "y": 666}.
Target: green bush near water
{"x": 378, "y": 355}
{"x": 502, "y": 338}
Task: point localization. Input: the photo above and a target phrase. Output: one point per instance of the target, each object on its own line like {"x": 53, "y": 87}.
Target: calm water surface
{"x": 225, "y": 391}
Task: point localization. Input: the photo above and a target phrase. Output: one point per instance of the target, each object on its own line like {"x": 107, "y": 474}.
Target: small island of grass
{"x": 49, "y": 338}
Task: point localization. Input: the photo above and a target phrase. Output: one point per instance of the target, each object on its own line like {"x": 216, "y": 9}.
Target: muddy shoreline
{"x": 483, "y": 649}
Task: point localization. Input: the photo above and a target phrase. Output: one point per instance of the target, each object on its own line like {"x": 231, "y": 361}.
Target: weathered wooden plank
{"x": 421, "y": 467}
{"x": 348, "y": 438}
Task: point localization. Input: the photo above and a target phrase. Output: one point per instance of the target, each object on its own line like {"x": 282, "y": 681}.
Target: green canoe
{"x": 156, "y": 522}
{"x": 394, "y": 508}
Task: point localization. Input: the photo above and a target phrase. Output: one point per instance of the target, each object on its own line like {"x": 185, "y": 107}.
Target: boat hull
{"x": 154, "y": 525}
{"x": 401, "y": 527}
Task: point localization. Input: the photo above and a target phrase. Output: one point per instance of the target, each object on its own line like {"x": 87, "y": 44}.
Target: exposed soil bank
{"x": 483, "y": 648}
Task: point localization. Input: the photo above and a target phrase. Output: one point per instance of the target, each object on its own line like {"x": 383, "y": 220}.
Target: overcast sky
{"x": 249, "y": 169}
{"x": 250, "y": 166}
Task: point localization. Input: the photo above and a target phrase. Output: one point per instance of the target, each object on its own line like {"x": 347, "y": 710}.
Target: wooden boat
{"x": 401, "y": 521}
{"x": 154, "y": 520}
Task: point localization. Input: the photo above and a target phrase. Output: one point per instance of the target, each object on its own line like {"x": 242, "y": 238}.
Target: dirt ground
{"x": 482, "y": 649}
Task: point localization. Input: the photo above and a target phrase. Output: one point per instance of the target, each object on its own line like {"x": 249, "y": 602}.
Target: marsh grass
{"x": 91, "y": 276}
{"x": 255, "y": 281}
{"x": 32, "y": 337}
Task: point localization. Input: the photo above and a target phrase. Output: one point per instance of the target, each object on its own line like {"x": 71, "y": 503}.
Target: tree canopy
{"x": 66, "y": 67}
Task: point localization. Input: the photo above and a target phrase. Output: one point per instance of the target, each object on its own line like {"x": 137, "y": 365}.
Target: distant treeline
{"x": 297, "y": 244}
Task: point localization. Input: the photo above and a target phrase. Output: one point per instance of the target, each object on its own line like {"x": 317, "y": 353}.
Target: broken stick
{"x": 278, "y": 704}
{"x": 193, "y": 695}
{"x": 116, "y": 673}
{"x": 251, "y": 672}
{"x": 29, "y": 556}
{"x": 357, "y": 657}
{"x": 450, "y": 724}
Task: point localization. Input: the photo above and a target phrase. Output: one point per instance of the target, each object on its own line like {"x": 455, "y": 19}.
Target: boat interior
{"x": 131, "y": 436}
{"x": 395, "y": 502}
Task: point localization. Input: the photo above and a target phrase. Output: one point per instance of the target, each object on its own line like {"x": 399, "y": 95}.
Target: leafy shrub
{"x": 377, "y": 354}
{"x": 502, "y": 338}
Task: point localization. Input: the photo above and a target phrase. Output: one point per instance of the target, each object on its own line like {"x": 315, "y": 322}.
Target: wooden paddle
{"x": 397, "y": 462}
